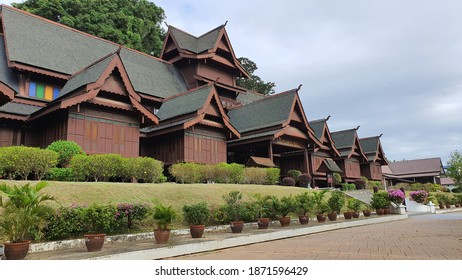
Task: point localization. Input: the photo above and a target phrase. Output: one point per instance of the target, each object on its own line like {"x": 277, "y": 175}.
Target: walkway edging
{"x": 192, "y": 248}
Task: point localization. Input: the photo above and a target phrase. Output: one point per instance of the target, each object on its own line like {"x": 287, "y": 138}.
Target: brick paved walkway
{"x": 436, "y": 237}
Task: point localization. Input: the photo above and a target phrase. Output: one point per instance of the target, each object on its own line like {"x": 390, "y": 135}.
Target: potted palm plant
{"x": 366, "y": 210}
{"x": 234, "y": 210}
{"x": 335, "y": 202}
{"x": 320, "y": 205}
{"x": 196, "y": 215}
{"x": 163, "y": 217}
{"x": 23, "y": 214}
{"x": 353, "y": 206}
{"x": 304, "y": 206}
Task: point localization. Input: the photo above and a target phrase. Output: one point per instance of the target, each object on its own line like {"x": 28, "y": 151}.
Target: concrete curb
{"x": 173, "y": 251}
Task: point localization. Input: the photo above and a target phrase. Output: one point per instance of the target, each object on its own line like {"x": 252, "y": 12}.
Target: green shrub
{"x": 294, "y": 174}
{"x": 149, "y": 170}
{"x": 337, "y": 179}
{"x": 65, "y": 223}
{"x": 288, "y": 181}
{"x": 336, "y": 201}
{"x": 285, "y": 206}
{"x": 236, "y": 173}
{"x": 272, "y": 176}
{"x": 428, "y": 187}
{"x": 207, "y": 172}
{"x": 127, "y": 169}
{"x": 186, "y": 173}
{"x": 105, "y": 166}
{"x": 255, "y": 175}
{"x": 42, "y": 161}
{"x": 196, "y": 214}
{"x": 304, "y": 180}
{"x": 101, "y": 219}
{"x": 348, "y": 186}
{"x": 60, "y": 174}
{"x": 66, "y": 150}
{"x": 80, "y": 165}
{"x": 457, "y": 190}
{"x": 15, "y": 161}
{"x": 380, "y": 200}
{"x": 222, "y": 173}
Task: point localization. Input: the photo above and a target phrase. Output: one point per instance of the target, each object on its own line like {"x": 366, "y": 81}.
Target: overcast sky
{"x": 392, "y": 67}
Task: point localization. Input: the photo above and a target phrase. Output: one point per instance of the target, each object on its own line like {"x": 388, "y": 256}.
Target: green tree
{"x": 132, "y": 23}
{"x": 455, "y": 167}
{"x": 254, "y": 83}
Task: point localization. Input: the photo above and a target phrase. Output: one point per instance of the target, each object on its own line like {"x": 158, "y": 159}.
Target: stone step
{"x": 362, "y": 195}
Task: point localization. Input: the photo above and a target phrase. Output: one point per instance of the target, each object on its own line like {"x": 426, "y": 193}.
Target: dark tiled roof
{"x": 87, "y": 76}
{"x": 196, "y": 44}
{"x": 413, "y": 168}
{"x": 332, "y": 166}
{"x": 184, "y": 103}
{"x": 249, "y": 97}
{"x": 318, "y": 127}
{"x": 54, "y": 47}
{"x": 164, "y": 126}
{"x": 6, "y": 74}
{"x": 270, "y": 111}
{"x": 19, "y": 109}
{"x": 260, "y": 161}
{"x": 38, "y": 42}
{"x": 257, "y": 135}
{"x": 151, "y": 76}
{"x": 370, "y": 146}
{"x": 344, "y": 139}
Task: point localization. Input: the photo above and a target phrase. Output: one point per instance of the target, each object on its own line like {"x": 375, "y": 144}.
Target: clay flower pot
{"x": 285, "y": 221}
{"x": 94, "y": 242}
{"x": 303, "y": 220}
{"x": 321, "y": 218}
{"x": 348, "y": 215}
{"x": 380, "y": 212}
{"x": 355, "y": 215}
{"x": 161, "y": 236}
{"x": 263, "y": 223}
{"x": 16, "y": 251}
{"x": 367, "y": 213}
{"x": 197, "y": 231}
{"x": 237, "y": 226}
{"x": 332, "y": 216}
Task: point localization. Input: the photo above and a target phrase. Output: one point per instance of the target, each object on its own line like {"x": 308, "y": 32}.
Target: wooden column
{"x": 270, "y": 150}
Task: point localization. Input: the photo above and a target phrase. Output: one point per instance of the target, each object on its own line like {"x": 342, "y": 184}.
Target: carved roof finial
{"x": 166, "y": 24}
{"x": 357, "y": 127}
{"x": 328, "y": 117}
{"x": 226, "y": 22}
{"x": 380, "y": 135}
{"x": 299, "y": 87}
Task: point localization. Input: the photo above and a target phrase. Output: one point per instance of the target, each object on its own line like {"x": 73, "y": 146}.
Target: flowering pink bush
{"x": 131, "y": 211}
{"x": 396, "y": 196}
{"x": 419, "y": 196}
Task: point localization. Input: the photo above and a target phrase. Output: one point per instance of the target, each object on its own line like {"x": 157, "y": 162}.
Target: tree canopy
{"x": 455, "y": 167}
{"x": 132, "y": 23}
{"x": 255, "y": 83}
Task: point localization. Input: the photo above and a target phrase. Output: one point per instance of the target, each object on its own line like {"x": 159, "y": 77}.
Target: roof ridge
{"x": 80, "y": 32}
{"x": 186, "y": 92}
{"x": 208, "y": 32}
{"x": 439, "y": 158}
{"x": 92, "y": 64}
{"x": 273, "y": 96}
{"x": 344, "y": 130}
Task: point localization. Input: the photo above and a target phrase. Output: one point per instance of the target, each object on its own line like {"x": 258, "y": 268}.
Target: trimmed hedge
{"x": 294, "y": 174}
{"x": 21, "y": 161}
{"x": 224, "y": 173}
{"x": 288, "y": 181}
{"x": 66, "y": 150}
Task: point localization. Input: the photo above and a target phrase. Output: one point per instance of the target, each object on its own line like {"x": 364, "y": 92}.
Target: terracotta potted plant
{"x": 163, "y": 216}
{"x": 97, "y": 219}
{"x": 320, "y": 207}
{"x": 354, "y": 205}
{"x": 304, "y": 205}
{"x": 380, "y": 202}
{"x": 284, "y": 207}
{"x": 335, "y": 202}
{"x": 234, "y": 210}
{"x": 196, "y": 215}
{"x": 265, "y": 208}
{"x": 23, "y": 213}
{"x": 441, "y": 197}
{"x": 367, "y": 210}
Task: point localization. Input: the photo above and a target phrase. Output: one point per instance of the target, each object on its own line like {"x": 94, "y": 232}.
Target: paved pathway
{"x": 416, "y": 238}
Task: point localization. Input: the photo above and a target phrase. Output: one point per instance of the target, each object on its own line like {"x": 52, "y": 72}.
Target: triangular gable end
{"x": 91, "y": 90}
{"x": 356, "y": 149}
{"x": 212, "y": 107}
{"x": 326, "y": 136}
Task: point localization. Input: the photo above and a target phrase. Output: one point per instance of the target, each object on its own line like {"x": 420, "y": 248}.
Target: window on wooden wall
{"x": 43, "y": 91}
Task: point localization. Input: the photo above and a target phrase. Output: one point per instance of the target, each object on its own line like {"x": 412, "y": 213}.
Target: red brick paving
{"x": 429, "y": 237}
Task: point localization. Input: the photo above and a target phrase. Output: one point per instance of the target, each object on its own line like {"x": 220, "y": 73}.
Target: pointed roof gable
{"x": 57, "y": 50}
{"x": 90, "y": 80}
{"x": 322, "y": 133}
{"x": 204, "y": 46}
{"x": 347, "y": 141}
{"x": 195, "y": 103}
{"x": 373, "y": 149}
